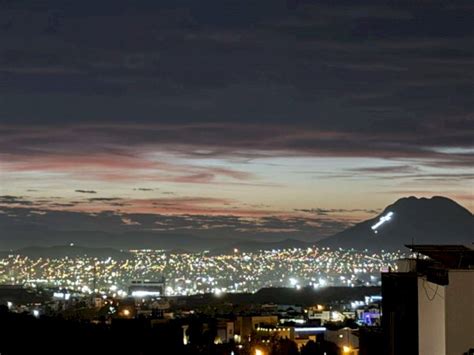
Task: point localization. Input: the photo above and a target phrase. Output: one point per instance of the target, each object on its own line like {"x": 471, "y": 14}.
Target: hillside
{"x": 436, "y": 220}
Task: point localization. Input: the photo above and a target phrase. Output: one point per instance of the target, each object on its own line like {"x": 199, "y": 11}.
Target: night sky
{"x": 261, "y": 116}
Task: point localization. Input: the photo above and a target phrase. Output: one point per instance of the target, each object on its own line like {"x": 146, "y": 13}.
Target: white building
{"x": 446, "y": 314}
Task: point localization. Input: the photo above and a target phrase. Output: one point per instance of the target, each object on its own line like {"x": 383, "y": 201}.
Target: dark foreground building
{"x": 428, "y": 304}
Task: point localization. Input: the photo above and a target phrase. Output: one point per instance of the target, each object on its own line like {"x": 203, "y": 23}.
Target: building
{"x": 225, "y": 331}
{"x": 246, "y": 325}
{"x": 369, "y": 315}
{"x": 428, "y": 303}
{"x": 301, "y": 335}
{"x": 322, "y": 316}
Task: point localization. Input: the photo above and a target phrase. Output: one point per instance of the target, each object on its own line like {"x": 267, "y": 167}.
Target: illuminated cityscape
{"x": 197, "y": 273}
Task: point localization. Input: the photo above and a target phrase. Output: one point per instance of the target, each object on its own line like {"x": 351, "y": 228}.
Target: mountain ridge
{"x": 435, "y": 220}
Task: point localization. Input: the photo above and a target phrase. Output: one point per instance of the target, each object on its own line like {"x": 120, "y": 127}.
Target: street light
{"x": 346, "y": 349}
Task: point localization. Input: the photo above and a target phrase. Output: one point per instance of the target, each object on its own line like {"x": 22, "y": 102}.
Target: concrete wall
{"x": 460, "y": 312}
{"x": 446, "y": 315}
{"x": 431, "y": 318}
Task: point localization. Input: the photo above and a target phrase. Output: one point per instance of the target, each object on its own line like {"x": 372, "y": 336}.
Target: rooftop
{"x": 450, "y": 256}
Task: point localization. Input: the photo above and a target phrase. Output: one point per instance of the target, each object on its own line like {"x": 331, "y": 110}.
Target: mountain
{"x": 436, "y": 220}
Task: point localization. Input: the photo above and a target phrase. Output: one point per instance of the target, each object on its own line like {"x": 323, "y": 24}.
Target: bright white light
{"x": 310, "y": 329}
{"x": 293, "y": 281}
{"x": 145, "y": 293}
{"x": 60, "y": 295}
{"x": 36, "y": 313}
{"x": 382, "y": 220}
{"x": 9, "y": 305}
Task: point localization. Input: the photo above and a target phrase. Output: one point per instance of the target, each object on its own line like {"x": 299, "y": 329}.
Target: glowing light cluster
{"x": 61, "y": 295}
{"x": 145, "y": 294}
{"x": 200, "y": 272}
{"x": 310, "y": 329}
{"x": 382, "y": 220}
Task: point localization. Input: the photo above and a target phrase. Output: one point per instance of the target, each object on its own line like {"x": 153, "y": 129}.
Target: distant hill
{"x": 252, "y": 246}
{"x": 16, "y": 238}
{"x": 68, "y": 250}
{"x": 307, "y": 296}
{"x": 436, "y": 220}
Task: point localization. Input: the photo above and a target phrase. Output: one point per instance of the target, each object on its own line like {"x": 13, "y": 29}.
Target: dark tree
{"x": 284, "y": 347}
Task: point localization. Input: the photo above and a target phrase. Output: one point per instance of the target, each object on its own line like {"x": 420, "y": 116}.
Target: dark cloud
{"x": 329, "y": 211}
{"x": 74, "y": 145}
{"x": 61, "y": 205}
{"x": 39, "y": 203}
{"x": 15, "y": 200}
{"x": 100, "y": 85}
{"x": 398, "y": 169}
{"x": 325, "y": 78}
{"x": 104, "y": 199}
{"x": 343, "y": 65}
{"x": 86, "y": 191}
{"x": 400, "y": 173}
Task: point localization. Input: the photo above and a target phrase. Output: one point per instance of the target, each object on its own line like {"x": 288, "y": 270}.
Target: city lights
{"x": 126, "y": 312}
{"x": 198, "y": 273}
{"x": 346, "y": 349}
